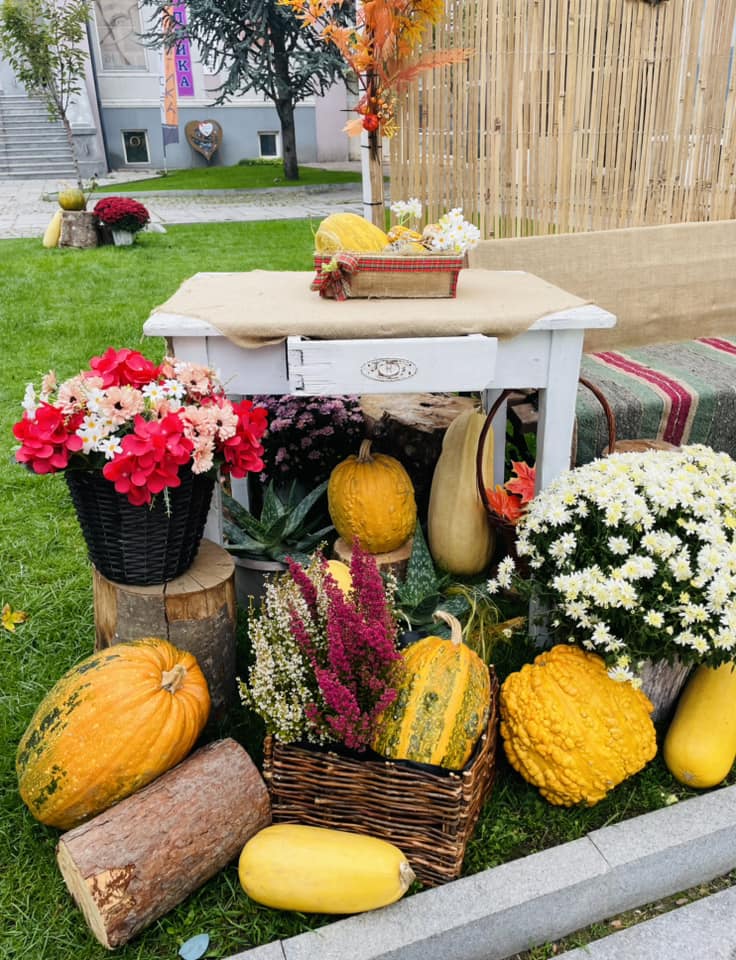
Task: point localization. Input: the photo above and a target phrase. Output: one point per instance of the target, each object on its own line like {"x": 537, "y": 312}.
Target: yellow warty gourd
{"x": 700, "y": 744}
{"x": 460, "y": 538}
{"x": 53, "y": 231}
{"x": 571, "y": 730}
{"x": 348, "y": 231}
{"x": 314, "y": 870}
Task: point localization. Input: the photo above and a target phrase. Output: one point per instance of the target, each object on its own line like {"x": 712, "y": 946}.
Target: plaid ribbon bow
{"x": 332, "y": 280}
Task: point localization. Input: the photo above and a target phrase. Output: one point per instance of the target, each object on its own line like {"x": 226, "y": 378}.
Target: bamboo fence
{"x": 574, "y": 115}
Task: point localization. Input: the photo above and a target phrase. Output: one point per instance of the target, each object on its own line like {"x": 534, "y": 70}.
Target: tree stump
{"x": 195, "y": 612}
{"x": 411, "y": 427}
{"x": 128, "y": 866}
{"x": 394, "y": 562}
{"x": 78, "y": 229}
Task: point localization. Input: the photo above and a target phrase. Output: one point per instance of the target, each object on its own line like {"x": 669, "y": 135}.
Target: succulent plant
{"x": 289, "y": 525}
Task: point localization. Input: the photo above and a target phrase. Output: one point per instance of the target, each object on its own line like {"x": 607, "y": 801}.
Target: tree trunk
{"x": 132, "y": 863}
{"x": 285, "y": 111}
{"x": 73, "y": 147}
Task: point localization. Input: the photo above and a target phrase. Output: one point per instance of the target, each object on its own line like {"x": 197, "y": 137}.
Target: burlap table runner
{"x": 260, "y": 307}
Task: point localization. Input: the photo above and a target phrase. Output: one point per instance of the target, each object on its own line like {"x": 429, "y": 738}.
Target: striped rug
{"x": 680, "y": 392}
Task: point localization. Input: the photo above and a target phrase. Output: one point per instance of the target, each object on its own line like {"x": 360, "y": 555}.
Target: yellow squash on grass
{"x": 571, "y": 730}
{"x": 315, "y": 870}
{"x": 109, "y": 726}
{"x": 460, "y": 538}
{"x": 700, "y": 744}
{"x": 442, "y": 705}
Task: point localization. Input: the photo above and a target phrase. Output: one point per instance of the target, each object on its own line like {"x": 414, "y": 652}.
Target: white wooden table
{"x": 545, "y": 357}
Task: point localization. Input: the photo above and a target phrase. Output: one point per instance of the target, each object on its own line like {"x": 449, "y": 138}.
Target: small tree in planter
{"x": 42, "y": 41}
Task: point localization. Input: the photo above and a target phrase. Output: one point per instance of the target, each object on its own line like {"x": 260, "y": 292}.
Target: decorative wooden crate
{"x": 384, "y": 276}
{"x": 427, "y": 812}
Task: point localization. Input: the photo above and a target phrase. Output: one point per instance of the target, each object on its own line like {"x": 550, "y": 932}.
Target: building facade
{"x": 117, "y": 118}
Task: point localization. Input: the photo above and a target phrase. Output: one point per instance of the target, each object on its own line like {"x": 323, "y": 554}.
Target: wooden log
{"x": 395, "y": 561}
{"x": 78, "y": 229}
{"x": 131, "y": 864}
{"x": 411, "y": 427}
{"x": 195, "y": 612}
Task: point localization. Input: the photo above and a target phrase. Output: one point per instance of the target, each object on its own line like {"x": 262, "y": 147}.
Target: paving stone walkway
{"x": 26, "y": 206}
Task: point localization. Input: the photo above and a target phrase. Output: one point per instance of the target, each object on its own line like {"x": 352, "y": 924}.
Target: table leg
{"x": 557, "y": 406}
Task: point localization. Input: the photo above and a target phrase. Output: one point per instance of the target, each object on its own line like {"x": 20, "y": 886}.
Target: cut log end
{"x": 97, "y": 896}
{"x": 395, "y": 562}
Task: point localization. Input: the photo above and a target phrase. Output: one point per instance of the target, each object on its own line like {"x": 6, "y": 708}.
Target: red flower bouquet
{"x": 138, "y": 423}
{"x": 121, "y": 213}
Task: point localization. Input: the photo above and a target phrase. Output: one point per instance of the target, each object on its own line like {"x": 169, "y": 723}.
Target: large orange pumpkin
{"x": 108, "y": 727}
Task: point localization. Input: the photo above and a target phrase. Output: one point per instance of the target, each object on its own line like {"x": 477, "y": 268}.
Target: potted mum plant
{"x": 633, "y": 555}
{"x": 140, "y": 445}
{"x": 123, "y": 217}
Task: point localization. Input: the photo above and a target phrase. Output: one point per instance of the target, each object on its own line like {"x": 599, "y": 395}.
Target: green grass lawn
{"x": 59, "y": 308}
{"x": 252, "y": 175}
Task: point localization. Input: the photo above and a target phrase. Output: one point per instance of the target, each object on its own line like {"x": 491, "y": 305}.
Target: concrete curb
{"x": 539, "y": 898}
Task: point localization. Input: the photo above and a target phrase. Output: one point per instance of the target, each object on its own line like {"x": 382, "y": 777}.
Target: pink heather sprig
{"x": 353, "y": 659}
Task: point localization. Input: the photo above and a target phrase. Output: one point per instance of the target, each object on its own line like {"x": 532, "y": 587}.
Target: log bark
{"x": 195, "y": 612}
{"x": 411, "y": 427}
{"x": 128, "y": 866}
{"x": 78, "y": 229}
{"x": 662, "y": 683}
{"x": 394, "y": 562}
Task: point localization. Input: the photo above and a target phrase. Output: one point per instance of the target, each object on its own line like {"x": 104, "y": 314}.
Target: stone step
{"x": 44, "y": 148}
{"x": 47, "y": 172}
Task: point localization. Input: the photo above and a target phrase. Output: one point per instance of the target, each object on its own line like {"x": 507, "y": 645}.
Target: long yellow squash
{"x": 314, "y": 870}
{"x": 700, "y": 744}
{"x": 460, "y": 538}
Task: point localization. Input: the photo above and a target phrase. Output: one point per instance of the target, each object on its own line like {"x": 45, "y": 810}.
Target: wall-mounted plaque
{"x": 204, "y": 136}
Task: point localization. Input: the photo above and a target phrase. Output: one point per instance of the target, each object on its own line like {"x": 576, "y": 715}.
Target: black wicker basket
{"x": 141, "y": 545}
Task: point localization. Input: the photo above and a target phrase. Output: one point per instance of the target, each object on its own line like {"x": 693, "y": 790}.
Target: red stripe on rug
{"x": 725, "y": 345}
{"x": 680, "y": 398}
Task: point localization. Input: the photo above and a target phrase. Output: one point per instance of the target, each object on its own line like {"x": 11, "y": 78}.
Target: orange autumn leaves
{"x": 508, "y": 501}
{"x": 380, "y": 48}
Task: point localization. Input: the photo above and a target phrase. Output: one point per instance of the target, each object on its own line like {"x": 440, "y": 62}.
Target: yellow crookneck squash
{"x": 572, "y": 731}
{"x": 370, "y": 498}
{"x": 460, "y": 537}
{"x": 442, "y": 705}
{"x": 700, "y": 743}
{"x": 315, "y": 870}
{"x": 108, "y": 727}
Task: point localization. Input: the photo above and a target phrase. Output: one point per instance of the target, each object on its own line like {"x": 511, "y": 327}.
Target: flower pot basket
{"x": 380, "y": 275}
{"x": 427, "y": 812}
{"x": 141, "y": 545}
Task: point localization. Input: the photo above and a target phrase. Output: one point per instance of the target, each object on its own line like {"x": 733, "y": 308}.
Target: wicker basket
{"x": 141, "y": 545}
{"x": 506, "y": 531}
{"x": 427, "y": 812}
{"x": 384, "y": 276}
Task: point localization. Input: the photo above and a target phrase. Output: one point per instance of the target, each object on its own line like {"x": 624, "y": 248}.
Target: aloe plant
{"x": 289, "y": 524}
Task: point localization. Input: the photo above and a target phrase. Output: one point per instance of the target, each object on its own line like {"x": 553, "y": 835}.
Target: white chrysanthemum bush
{"x": 634, "y": 555}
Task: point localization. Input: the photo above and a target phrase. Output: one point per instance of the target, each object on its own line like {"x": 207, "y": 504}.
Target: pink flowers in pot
{"x": 139, "y": 423}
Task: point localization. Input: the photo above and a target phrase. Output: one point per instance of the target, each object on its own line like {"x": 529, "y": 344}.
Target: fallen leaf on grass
{"x": 10, "y": 618}
{"x": 195, "y": 947}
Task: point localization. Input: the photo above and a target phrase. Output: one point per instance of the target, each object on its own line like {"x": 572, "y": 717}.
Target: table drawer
{"x": 414, "y": 365}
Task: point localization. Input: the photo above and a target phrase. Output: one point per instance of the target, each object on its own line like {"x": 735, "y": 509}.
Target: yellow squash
{"x": 571, "y": 730}
{"x": 460, "y": 538}
{"x": 370, "y": 498}
{"x": 700, "y": 744}
{"x": 53, "y": 231}
{"x": 340, "y": 573}
{"x": 314, "y": 870}
{"x": 348, "y": 231}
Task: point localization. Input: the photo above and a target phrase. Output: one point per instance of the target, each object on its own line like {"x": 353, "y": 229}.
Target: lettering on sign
{"x": 388, "y": 369}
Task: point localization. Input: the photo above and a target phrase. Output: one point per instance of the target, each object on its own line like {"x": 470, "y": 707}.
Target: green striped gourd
{"x": 443, "y": 702}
